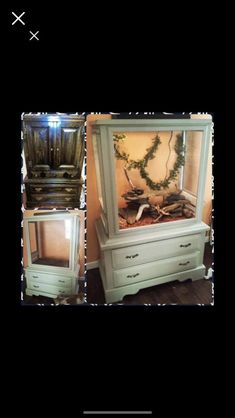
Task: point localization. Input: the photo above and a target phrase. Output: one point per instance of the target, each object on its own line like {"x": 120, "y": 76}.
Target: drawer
{"x": 53, "y": 188}
{"x": 53, "y": 197}
{"x": 158, "y": 268}
{"x": 139, "y": 254}
{"x": 46, "y": 288}
{"x": 62, "y": 281}
{"x": 62, "y": 174}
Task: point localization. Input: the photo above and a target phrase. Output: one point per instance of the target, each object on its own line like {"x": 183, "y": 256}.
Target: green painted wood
{"x": 50, "y": 280}
{"x": 153, "y": 252}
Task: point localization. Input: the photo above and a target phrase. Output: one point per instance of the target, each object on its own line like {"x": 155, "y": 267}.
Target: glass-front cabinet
{"x": 52, "y": 241}
{"x": 151, "y": 181}
{"x": 150, "y": 173}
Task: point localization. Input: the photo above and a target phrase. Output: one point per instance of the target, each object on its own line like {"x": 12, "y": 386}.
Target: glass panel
{"x": 156, "y": 176}
{"x": 192, "y": 164}
{"x": 50, "y": 242}
{"x": 99, "y": 171}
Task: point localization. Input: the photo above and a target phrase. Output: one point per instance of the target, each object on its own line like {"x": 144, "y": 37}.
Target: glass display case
{"x": 151, "y": 181}
{"x": 153, "y": 170}
{"x": 52, "y": 241}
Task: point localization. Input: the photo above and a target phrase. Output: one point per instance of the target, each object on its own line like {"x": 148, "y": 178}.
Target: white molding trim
{"x": 92, "y": 265}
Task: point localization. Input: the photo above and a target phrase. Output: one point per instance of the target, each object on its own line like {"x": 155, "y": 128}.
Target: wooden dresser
{"x": 54, "y": 153}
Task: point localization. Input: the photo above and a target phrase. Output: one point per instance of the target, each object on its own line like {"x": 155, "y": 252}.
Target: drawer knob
{"x": 184, "y": 264}
{"x": 68, "y": 199}
{"x": 132, "y": 256}
{"x": 61, "y": 281}
{"x": 68, "y": 190}
{"x": 132, "y": 276}
{"x": 185, "y": 245}
{"x": 35, "y": 277}
{"x": 38, "y": 189}
{"x": 35, "y": 286}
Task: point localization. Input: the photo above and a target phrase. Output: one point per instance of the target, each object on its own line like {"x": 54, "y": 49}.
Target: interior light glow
{"x": 54, "y": 121}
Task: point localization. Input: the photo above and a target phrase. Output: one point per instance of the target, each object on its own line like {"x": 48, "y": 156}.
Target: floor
{"x": 42, "y": 300}
{"x": 186, "y": 293}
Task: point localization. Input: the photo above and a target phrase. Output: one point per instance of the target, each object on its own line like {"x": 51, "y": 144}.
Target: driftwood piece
{"x": 175, "y": 196}
{"x": 177, "y": 212}
{"x": 171, "y": 208}
{"x": 180, "y": 202}
{"x": 174, "y": 205}
{"x": 132, "y": 198}
{"x": 159, "y": 217}
{"x": 140, "y": 211}
{"x": 168, "y": 210}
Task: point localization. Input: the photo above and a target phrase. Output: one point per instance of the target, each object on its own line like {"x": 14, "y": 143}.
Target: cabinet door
{"x": 38, "y": 140}
{"x": 69, "y": 148}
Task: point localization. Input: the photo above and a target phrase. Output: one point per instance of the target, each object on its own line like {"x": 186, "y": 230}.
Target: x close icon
{"x": 18, "y": 18}
{"x": 34, "y": 35}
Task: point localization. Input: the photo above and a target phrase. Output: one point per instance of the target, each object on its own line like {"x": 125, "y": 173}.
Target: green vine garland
{"x": 150, "y": 155}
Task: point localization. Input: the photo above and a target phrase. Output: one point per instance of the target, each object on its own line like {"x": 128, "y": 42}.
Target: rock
{"x": 123, "y": 213}
{"x": 188, "y": 213}
{"x": 131, "y": 216}
{"x": 128, "y": 214}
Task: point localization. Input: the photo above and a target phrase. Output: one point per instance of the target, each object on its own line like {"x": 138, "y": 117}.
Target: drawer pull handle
{"x": 184, "y": 264}
{"x": 38, "y": 189}
{"x": 68, "y": 199}
{"x": 35, "y": 277}
{"x": 61, "y": 281}
{"x": 35, "y": 286}
{"x": 186, "y": 245}
{"x": 131, "y": 276}
{"x": 69, "y": 190}
{"x": 132, "y": 256}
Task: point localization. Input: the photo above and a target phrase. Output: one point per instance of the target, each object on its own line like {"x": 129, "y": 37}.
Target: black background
{"x": 102, "y": 58}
